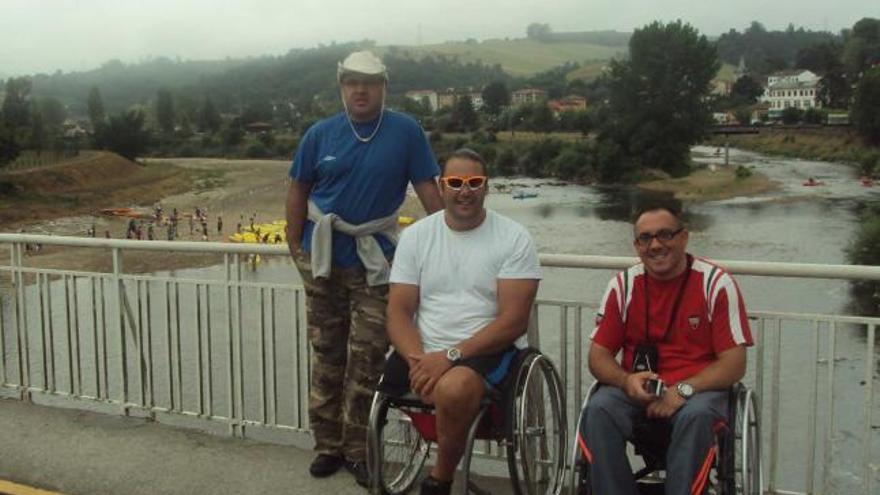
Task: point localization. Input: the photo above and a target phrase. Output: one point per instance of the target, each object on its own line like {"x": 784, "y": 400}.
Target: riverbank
{"x": 711, "y": 184}
{"x": 825, "y": 144}
{"x": 236, "y": 190}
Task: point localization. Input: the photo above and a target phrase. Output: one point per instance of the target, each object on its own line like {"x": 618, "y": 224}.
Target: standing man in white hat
{"x": 347, "y": 181}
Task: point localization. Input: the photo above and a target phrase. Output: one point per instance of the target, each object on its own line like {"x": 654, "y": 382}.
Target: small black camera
{"x": 655, "y": 386}
{"x": 646, "y": 358}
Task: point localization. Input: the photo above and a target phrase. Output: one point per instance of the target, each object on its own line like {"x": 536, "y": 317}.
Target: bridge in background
{"x": 215, "y": 350}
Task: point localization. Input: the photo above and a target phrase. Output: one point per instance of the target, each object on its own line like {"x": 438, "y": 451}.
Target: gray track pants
{"x": 609, "y": 420}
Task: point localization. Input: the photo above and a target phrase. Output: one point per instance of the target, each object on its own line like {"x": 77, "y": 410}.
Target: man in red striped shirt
{"x": 679, "y": 319}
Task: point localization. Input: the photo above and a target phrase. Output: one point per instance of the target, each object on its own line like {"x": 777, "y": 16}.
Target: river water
{"x": 793, "y": 223}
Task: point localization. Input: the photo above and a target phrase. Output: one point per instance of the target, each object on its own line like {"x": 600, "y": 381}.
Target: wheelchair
{"x": 527, "y": 421}
{"x": 737, "y": 465}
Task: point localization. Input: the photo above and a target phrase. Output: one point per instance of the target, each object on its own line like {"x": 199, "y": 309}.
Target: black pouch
{"x": 646, "y": 358}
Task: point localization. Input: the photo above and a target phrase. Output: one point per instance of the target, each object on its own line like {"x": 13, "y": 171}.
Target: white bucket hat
{"x": 363, "y": 62}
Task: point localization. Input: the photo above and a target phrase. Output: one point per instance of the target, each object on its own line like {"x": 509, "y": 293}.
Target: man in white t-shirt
{"x": 463, "y": 282}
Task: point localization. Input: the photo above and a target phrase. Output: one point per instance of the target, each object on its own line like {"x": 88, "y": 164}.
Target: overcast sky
{"x": 47, "y": 35}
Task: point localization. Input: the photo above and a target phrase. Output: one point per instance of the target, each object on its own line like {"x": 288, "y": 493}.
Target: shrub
{"x": 743, "y": 172}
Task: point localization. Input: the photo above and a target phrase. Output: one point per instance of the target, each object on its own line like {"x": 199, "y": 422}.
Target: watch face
{"x": 453, "y": 354}
{"x": 686, "y": 390}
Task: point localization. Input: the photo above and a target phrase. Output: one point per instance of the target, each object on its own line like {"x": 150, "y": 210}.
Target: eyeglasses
{"x": 663, "y": 236}
{"x": 456, "y": 182}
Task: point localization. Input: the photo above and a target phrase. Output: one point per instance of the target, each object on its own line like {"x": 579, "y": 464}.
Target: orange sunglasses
{"x": 456, "y": 182}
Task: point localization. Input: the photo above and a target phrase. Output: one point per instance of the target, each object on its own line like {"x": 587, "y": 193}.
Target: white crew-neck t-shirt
{"x": 457, "y": 274}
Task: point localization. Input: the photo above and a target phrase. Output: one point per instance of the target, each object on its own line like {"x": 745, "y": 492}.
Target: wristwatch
{"x": 453, "y": 354}
{"x": 685, "y": 390}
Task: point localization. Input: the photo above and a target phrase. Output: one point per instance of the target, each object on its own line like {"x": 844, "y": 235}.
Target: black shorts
{"x": 493, "y": 368}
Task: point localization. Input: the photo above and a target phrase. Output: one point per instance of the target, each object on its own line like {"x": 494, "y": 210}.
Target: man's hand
{"x": 634, "y": 386}
{"x": 666, "y": 406}
{"x": 425, "y": 370}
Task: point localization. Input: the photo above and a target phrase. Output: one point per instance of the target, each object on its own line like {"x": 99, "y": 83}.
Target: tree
{"x": 165, "y": 111}
{"x": 745, "y": 91}
{"x": 54, "y": 114}
{"x": 95, "y": 107}
{"x": 792, "y": 115}
{"x": 658, "y": 97}
{"x": 464, "y": 117}
{"x": 862, "y": 48}
{"x": 539, "y": 32}
{"x": 125, "y": 134}
{"x": 865, "y": 112}
{"x": 16, "y": 106}
{"x": 9, "y": 147}
{"x": 495, "y": 97}
{"x": 209, "y": 118}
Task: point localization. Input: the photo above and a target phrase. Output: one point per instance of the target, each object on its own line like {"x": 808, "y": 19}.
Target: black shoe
{"x": 325, "y": 464}
{"x": 359, "y": 471}
{"x": 433, "y": 486}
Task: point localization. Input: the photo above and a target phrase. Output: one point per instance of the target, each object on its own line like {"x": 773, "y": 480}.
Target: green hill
{"x": 517, "y": 57}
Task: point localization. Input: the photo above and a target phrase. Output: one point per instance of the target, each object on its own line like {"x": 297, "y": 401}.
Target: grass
{"x": 206, "y": 178}
{"x": 826, "y": 144}
{"x": 708, "y": 185}
{"x": 521, "y": 57}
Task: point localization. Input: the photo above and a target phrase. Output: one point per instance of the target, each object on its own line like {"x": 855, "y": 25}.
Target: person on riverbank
{"x": 347, "y": 180}
{"x": 462, "y": 287}
{"x": 679, "y": 319}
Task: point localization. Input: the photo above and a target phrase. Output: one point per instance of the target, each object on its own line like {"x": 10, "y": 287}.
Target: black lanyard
{"x": 678, "y": 297}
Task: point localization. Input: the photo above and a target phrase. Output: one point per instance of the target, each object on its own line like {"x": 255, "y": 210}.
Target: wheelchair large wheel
{"x": 397, "y": 452}
{"x": 747, "y": 455}
{"x": 536, "y": 429}
{"x": 739, "y": 466}
{"x": 579, "y": 474}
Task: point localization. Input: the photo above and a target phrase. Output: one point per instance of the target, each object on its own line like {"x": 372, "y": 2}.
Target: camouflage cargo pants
{"x": 346, "y": 329}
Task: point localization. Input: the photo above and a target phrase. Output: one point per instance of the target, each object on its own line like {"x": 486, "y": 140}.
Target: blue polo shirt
{"x": 361, "y": 181}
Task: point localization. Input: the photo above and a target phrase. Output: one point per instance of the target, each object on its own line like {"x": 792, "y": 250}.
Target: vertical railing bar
{"x": 208, "y": 358}
{"x": 95, "y": 336}
{"x": 105, "y": 367}
{"x": 3, "y": 377}
{"x": 759, "y": 364}
{"x": 298, "y": 361}
{"x": 178, "y": 338}
{"x": 774, "y": 408}
{"x": 869, "y": 402}
{"x": 563, "y": 341}
{"x": 120, "y": 325}
{"x": 200, "y": 364}
{"x": 148, "y": 345}
{"x": 231, "y": 373}
{"x": 140, "y": 323}
{"x": 168, "y": 346}
{"x": 76, "y": 337}
{"x": 264, "y": 392}
{"x": 578, "y": 355}
{"x": 51, "y": 328}
{"x": 67, "y": 315}
{"x": 274, "y": 342}
{"x": 829, "y": 430}
{"x": 21, "y": 320}
{"x": 41, "y": 324}
{"x": 813, "y": 417}
{"x": 240, "y": 343}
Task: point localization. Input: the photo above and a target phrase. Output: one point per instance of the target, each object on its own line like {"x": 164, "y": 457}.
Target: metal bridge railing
{"x": 211, "y": 347}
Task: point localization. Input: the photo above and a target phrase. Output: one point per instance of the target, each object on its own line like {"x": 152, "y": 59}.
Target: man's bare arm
{"x": 515, "y": 298}
{"x": 296, "y": 212}
{"x": 403, "y": 300}
{"x": 429, "y": 195}
{"x": 607, "y": 370}
{"x": 728, "y": 369}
